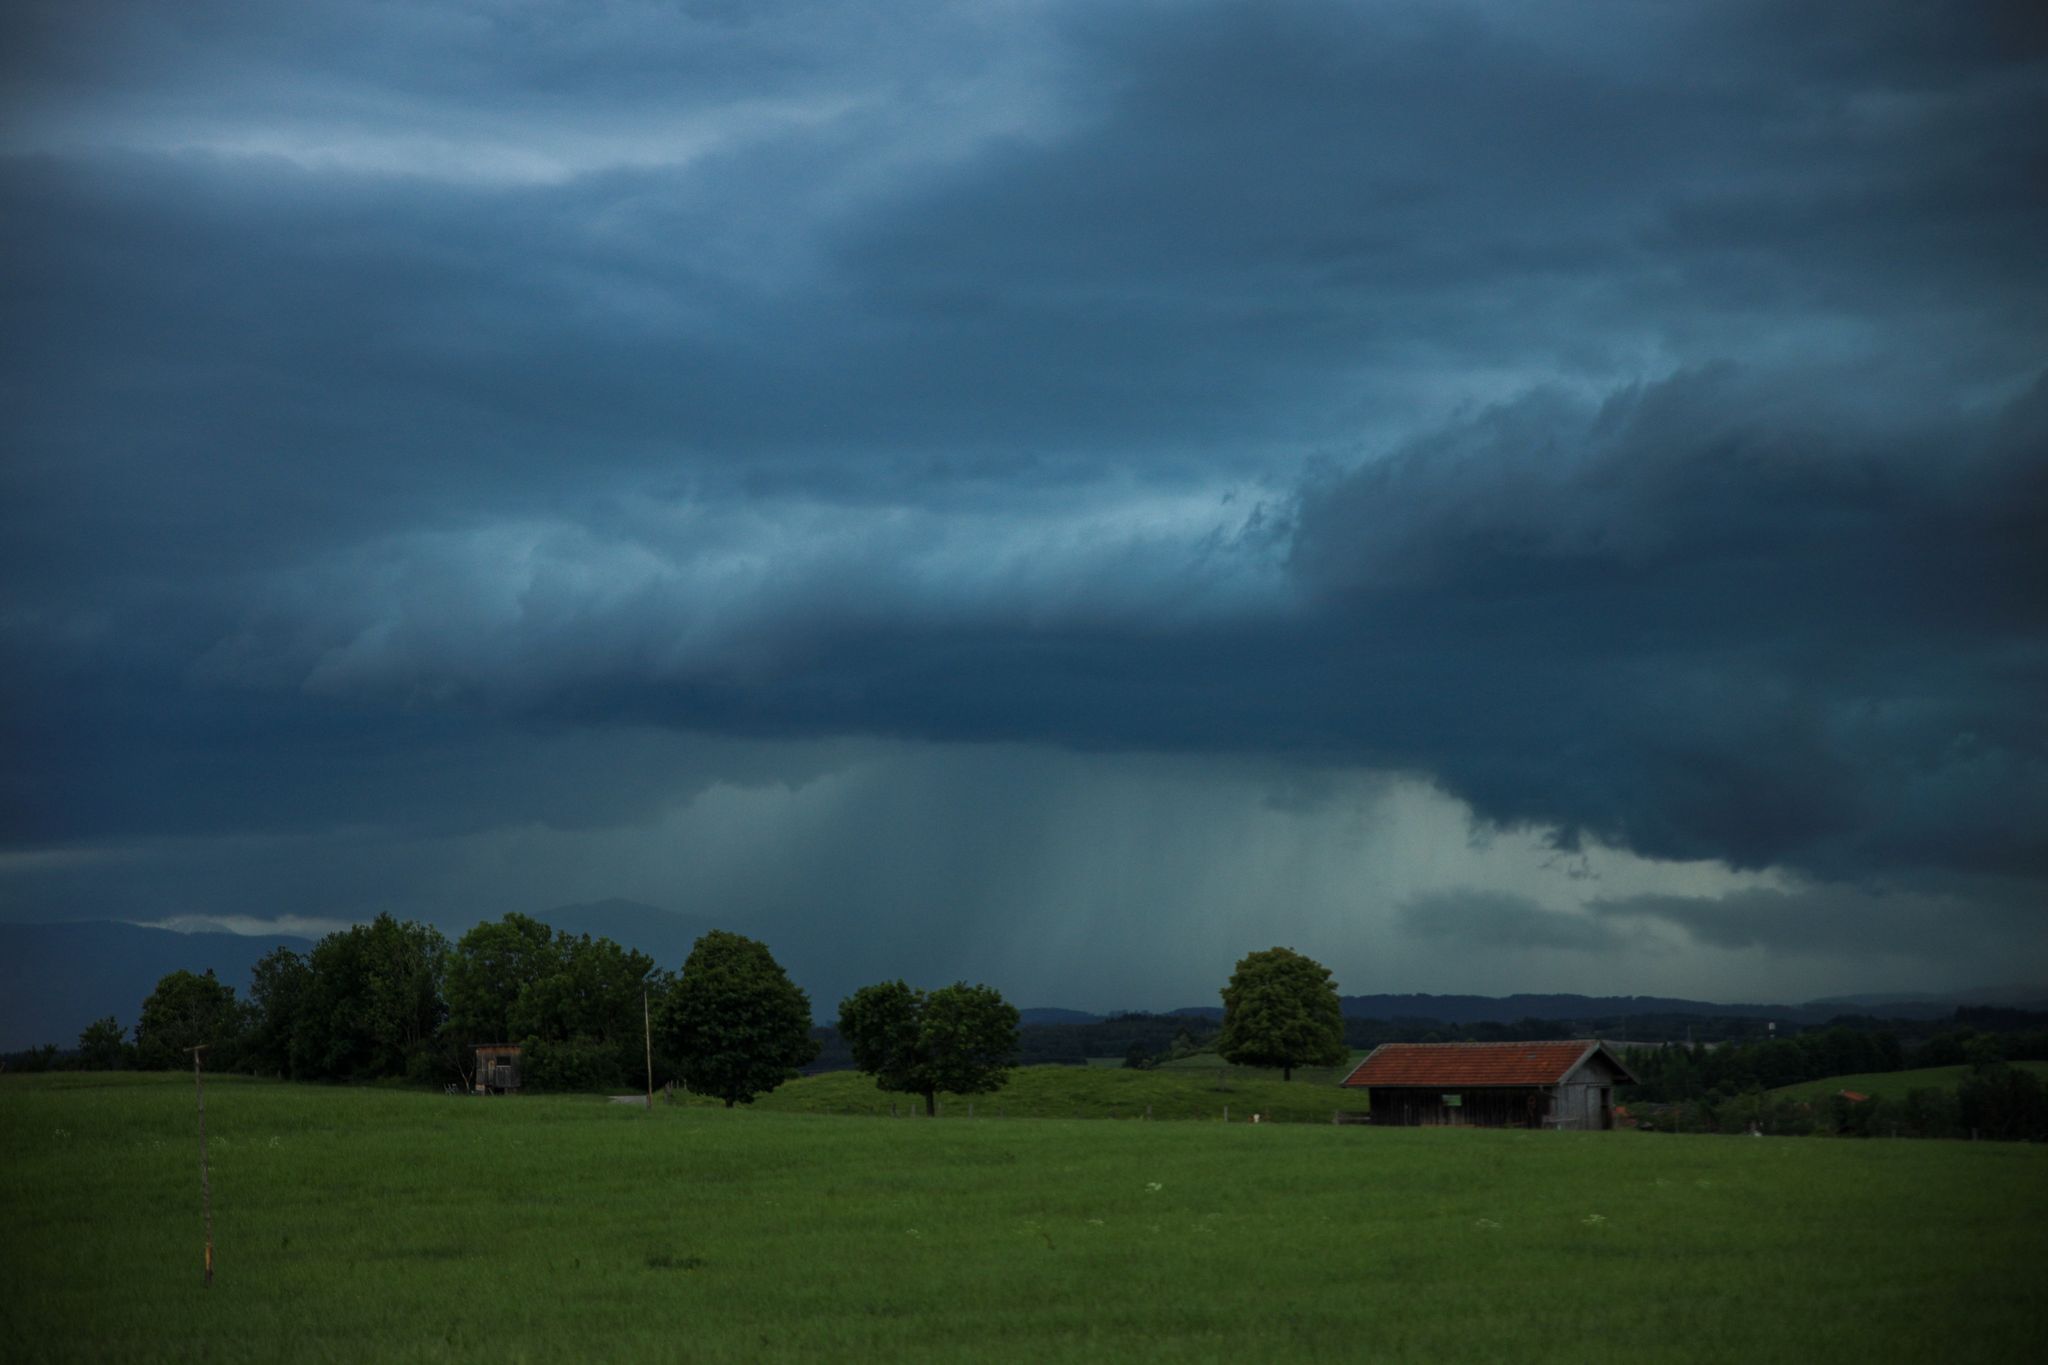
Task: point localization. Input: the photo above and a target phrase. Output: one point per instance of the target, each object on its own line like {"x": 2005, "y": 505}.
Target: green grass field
{"x": 1894, "y": 1085}
{"x": 1090, "y": 1092}
{"x": 386, "y": 1225}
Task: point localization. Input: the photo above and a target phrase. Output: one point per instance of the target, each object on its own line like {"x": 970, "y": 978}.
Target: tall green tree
{"x": 2003, "y": 1102}
{"x": 188, "y": 1010}
{"x": 1280, "y": 1009}
{"x": 961, "y": 1039}
{"x": 373, "y": 1006}
{"x": 489, "y": 970}
{"x": 101, "y": 1047}
{"x": 278, "y": 989}
{"x": 572, "y": 1001}
{"x": 735, "y": 1023}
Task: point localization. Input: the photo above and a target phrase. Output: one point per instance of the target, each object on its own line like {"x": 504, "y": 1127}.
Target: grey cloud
{"x": 1680, "y": 441}
{"x": 1494, "y": 919}
{"x": 1989, "y": 923}
{"x": 1725, "y": 615}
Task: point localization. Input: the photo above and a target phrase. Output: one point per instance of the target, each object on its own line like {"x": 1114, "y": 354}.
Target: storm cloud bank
{"x": 1628, "y": 421}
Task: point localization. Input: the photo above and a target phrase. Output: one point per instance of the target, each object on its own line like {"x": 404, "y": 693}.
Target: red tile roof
{"x": 1453, "y": 1064}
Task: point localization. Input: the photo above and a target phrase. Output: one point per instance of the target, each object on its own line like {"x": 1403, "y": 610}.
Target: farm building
{"x": 497, "y": 1068}
{"x": 1491, "y": 1085}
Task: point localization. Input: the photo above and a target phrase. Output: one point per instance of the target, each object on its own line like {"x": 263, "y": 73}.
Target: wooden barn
{"x": 1491, "y": 1085}
{"x": 497, "y": 1068}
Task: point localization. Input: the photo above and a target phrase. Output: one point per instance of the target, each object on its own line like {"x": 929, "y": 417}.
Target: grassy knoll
{"x": 380, "y": 1225}
{"x": 1894, "y": 1085}
{"x": 1303, "y": 1075}
{"x": 1066, "y": 1092}
{"x": 1216, "y": 1067}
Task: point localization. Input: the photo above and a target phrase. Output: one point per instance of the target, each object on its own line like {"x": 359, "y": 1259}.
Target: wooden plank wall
{"x": 1487, "y": 1107}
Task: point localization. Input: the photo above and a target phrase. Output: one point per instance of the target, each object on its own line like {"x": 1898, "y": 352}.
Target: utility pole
{"x": 205, "y": 1188}
{"x": 647, "y": 1035}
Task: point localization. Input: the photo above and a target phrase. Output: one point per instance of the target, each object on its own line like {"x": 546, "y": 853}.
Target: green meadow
{"x": 1071, "y": 1092}
{"x": 373, "y": 1224}
{"x": 1894, "y": 1085}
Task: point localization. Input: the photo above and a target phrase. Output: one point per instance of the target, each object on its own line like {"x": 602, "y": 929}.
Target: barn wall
{"x": 1482, "y": 1107}
{"x": 1578, "y": 1106}
{"x": 1586, "y": 1098}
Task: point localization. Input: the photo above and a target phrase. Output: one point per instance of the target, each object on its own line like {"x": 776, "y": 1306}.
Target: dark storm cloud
{"x": 1763, "y": 620}
{"x": 1844, "y": 920}
{"x": 389, "y": 392}
{"x": 1495, "y": 920}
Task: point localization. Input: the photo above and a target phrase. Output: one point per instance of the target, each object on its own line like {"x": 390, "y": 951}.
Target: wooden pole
{"x": 647, "y": 1034}
{"x": 205, "y": 1187}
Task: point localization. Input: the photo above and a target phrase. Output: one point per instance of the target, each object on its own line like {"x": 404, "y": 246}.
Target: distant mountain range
{"x": 1508, "y": 1009}
{"x": 57, "y": 978}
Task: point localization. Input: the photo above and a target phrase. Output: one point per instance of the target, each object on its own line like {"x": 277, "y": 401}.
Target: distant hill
{"x": 1893, "y": 1085}
{"x": 1509, "y": 1009}
{"x": 1919, "y": 1005}
{"x": 1481, "y": 1009}
{"x": 1047, "y": 1014}
{"x": 57, "y": 978}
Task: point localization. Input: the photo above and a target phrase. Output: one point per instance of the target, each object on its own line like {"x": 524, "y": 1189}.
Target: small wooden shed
{"x": 1567, "y": 1084}
{"x": 497, "y": 1068}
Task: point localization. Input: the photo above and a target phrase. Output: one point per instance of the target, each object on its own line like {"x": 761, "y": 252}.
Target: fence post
{"x": 205, "y": 1188}
{"x": 647, "y": 1035}
{"x": 1226, "y": 1113}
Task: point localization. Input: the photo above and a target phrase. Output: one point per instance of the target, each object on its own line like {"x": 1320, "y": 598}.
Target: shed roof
{"x": 1468, "y": 1064}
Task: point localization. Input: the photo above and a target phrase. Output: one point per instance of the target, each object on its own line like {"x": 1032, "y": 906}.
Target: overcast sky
{"x": 1495, "y": 495}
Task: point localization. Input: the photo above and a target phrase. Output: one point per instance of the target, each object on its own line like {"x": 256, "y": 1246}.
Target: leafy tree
{"x": 1280, "y": 1009}
{"x": 960, "y": 1039}
{"x": 1931, "y": 1112}
{"x": 101, "y": 1047}
{"x": 736, "y": 1024}
{"x": 568, "y": 1064}
{"x": 2002, "y": 1101}
{"x": 278, "y": 989}
{"x": 185, "y": 1011}
{"x": 592, "y": 998}
{"x": 573, "y": 1002}
{"x": 488, "y": 971}
{"x": 43, "y": 1058}
{"x": 373, "y": 1006}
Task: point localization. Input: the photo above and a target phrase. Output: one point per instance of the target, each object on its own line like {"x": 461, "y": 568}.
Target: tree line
{"x": 395, "y": 999}
{"x": 1994, "y": 1099}
{"x": 1728, "y": 1088}
{"x": 1673, "y": 1074}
